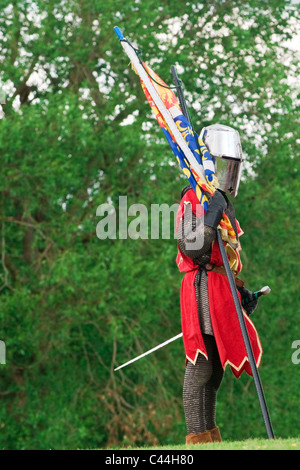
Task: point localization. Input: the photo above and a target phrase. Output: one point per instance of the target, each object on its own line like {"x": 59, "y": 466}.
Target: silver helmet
{"x": 224, "y": 146}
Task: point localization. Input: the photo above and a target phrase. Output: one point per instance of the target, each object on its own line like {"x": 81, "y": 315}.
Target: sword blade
{"x": 150, "y": 351}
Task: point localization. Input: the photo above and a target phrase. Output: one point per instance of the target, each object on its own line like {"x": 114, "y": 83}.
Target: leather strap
{"x": 222, "y": 270}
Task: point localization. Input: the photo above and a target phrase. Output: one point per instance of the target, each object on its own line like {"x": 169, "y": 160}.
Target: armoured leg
{"x": 212, "y": 386}
{"x": 201, "y": 383}
{"x": 196, "y": 376}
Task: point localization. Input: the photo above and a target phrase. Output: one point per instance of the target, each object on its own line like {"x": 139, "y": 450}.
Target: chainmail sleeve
{"x": 189, "y": 228}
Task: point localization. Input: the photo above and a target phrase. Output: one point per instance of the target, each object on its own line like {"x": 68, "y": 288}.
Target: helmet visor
{"x": 228, "y": 172}
{"x": 224, "y": 145}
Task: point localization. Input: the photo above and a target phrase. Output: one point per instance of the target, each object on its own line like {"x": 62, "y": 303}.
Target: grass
{"x": 249, "y": 444}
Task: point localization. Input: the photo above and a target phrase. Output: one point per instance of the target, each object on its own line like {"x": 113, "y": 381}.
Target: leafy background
{"x": 76, "y": 132}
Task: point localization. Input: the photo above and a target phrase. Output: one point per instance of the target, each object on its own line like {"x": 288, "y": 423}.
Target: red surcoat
{"x": 223, "y": 314}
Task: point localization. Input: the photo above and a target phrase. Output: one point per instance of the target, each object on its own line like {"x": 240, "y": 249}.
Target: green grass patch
{"x": 249, "y": 444}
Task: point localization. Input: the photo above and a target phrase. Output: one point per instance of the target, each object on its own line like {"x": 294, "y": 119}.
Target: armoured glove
{"x": 215, "y": 210}
{"x": 249, "y": 300}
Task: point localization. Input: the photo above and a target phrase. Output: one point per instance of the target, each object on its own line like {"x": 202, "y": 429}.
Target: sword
{"x": 263, "y": 291}
{"x": 150, "y": 351}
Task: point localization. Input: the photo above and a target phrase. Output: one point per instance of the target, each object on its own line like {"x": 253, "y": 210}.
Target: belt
{"x": 222, "y": 270}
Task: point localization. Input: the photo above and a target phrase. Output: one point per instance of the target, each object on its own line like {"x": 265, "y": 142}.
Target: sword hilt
{"x": 263, "y": 291}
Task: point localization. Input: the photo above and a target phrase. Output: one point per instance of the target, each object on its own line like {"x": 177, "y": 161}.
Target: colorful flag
{"x": 200, "y": 152}
{"x": 192, "y": 155}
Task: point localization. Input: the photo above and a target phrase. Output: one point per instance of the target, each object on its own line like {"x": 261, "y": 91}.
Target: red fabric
{"x": 223, "y": 314}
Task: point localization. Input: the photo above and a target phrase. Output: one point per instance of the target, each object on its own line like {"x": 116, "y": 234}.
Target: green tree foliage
{"x": 76, "y": 132}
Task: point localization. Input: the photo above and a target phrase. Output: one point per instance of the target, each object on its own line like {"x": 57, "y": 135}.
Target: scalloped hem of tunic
{"x": 245, "y": 359}
{"x": 238, "y": 368}
{"x": 196, "y": 357}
